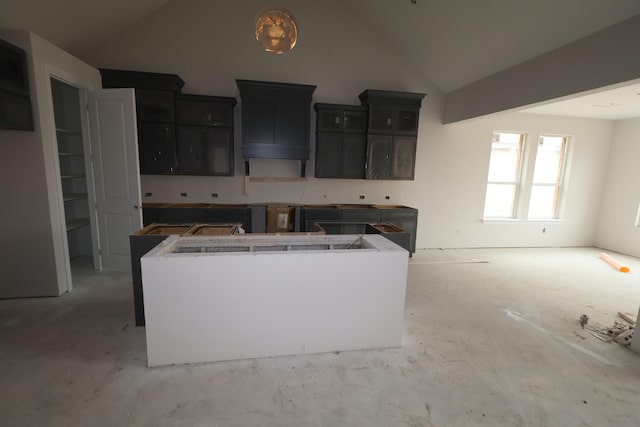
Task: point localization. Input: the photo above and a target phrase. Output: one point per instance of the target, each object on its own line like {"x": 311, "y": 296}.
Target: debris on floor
{"x": 584, "y": 319}
{"x": 620, "y": 332}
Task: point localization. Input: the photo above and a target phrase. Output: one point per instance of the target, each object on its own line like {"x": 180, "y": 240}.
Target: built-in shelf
{"x": 74, "y": 196}
{"x": 71, "y": 154}
{"x": 72, "y": 224}
{"x": 69, "y": 132}
{"x": 72, "y": 176}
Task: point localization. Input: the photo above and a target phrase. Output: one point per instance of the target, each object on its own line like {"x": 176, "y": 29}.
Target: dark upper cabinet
{"x": 155, "y": 106}
{"x": 205, "y": 137}
{"x": 205, "y": 110}
{"x": 340, "y": 141}
{"x": 155, "y": 110}
{"x": 275, "y": 120}
{"x": 15, "y": 102}
{"x": 157, "y": 148}
{"x": 392, "y": 133}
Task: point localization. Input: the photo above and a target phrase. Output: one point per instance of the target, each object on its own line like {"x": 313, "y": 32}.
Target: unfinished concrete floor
{"x": 493, "y": 343}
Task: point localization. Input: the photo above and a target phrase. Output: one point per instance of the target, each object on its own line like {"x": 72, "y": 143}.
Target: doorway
{"x": 75, "y": 179}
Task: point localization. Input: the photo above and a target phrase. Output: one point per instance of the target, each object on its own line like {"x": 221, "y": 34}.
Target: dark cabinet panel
{"x": 403, "y": 217}
{"x": 205, "y": 135}
{"x": 340, "y": 141}
{"x": 353, "y": 155}
{"x": 218, "y": 152}
{"x": 403, "y": 158}
{"x": 205, "y": 110}
{"x": 378, "y": 152}
{"x": 329, "y": 149}
{"x": 179, "y": 215}
{"x": 190, "y": 150}
{"x": 230, "y": 214}
{"x": 155, "y": 105}
{"x": 157, "y": 147}
{"x": 275, "y": 120}
{"x": 15, "y": 111}
{"x": 392, "y": 133}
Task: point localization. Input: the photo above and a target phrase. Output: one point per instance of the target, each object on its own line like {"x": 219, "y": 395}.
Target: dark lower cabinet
{"x": 403, "y": 217}
{"x": 240, "y": 214}
{"x": 179, "y": 215}
{"x": 157, "y": 148}
{"x": 320, "y": 213}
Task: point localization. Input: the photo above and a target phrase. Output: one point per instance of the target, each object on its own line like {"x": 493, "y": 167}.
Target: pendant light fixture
{"x": 276, "y": 30}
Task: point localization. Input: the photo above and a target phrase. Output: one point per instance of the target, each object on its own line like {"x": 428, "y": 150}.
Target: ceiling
{"x": 452, "y": 42}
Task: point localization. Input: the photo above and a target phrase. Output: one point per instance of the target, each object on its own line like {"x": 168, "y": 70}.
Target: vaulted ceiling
{"x": 452, "y": 42}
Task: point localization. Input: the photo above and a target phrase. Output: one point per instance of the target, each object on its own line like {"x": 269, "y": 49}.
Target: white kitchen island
{"x": 239, "y": 297}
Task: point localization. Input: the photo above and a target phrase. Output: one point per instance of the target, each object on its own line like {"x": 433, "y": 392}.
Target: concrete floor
{"x": 493, "y": 343}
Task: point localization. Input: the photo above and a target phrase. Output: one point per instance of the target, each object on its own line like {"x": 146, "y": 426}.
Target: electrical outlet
{"x": 183, "y": 194}
{"x": 147, "y": 194}
{"x": 362, "y": 197}
{"x": 387, "y": 197}
{"x": 214, "y": 195}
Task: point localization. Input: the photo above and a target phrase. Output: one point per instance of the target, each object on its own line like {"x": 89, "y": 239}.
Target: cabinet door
{"x": 329, "y": 155}
{"x": 203, "y": 112}
{"x": 330, "y": 120}
{"x": 355, "y": 121}
{"x": 292, "y": 125}
{"x": 155, "y": 105}
{"x": 190, "y": 150}
{"x": 353, "y": 152}
{"x": 218, "y": 148}
{"x": 406, "y": 120}
{"x": 157, "y": 148}
{"x": 378, "y": 152}
{"x": 403, "y": 157}
{"x": 258, "y": 121}
{"x": 380, "y": 119}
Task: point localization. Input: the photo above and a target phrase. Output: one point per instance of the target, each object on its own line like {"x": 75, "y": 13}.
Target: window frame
{"x": 559, "y": 184}
{"x": 518, "y": 181}
{"x": 525, "y": 184}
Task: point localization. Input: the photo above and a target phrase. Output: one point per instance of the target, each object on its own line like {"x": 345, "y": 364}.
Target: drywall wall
{"x": 26, "y": 247}
{"x": 210, "y": 44}
{"x": 33, "y": 249}
{"x": 601, "y": 59}
{"x": 618, "y": 223}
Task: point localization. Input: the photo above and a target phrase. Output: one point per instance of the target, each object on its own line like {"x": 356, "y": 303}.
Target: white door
{"x": 114, "y": 148}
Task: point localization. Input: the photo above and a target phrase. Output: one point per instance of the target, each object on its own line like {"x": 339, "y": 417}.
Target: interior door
{"x": 114, "y": 148}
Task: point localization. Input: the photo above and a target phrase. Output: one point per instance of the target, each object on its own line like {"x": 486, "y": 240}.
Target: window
{"x": 504, "y": 174}
{"x": 547, "y": 176}
{"x": 525, "y": 182}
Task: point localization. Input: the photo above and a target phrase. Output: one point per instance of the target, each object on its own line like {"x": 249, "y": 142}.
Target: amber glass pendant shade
{"x": 276, "y": 30}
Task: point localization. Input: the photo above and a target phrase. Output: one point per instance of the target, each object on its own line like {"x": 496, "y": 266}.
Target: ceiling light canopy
{"x": 276, "y": 30}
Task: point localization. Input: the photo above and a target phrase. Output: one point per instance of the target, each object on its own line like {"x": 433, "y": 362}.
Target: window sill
{"x": 522, "y": 221}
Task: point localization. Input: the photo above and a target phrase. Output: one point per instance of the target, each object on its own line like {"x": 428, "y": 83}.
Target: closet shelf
{"x": 70, "y": 154}
{"x": 74, "y": 196}
{"x": 72, "y": 224}
{"x": 72, "y": 176}
{"x": 69, "y": 132}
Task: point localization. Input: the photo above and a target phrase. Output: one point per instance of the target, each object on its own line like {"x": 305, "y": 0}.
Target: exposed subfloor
{"x": 493, "y": 343}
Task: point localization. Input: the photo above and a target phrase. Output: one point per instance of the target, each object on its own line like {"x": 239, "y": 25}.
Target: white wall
{"x": 210, "y": 44}
{"x": 617, "y": 226}
{"x": 32, "y": 252}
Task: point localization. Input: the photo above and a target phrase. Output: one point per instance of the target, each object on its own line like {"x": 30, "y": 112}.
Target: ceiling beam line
{"x": 604, "y": 58}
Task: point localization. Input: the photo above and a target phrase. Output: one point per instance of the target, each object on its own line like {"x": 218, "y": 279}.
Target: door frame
{"x": 52, "y": 171}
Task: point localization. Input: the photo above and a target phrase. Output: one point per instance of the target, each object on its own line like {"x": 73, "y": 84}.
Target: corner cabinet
{"x": 340, "y": 141}
{"x": 392, "y": 133}
{"x": 205, "y": 135}
{"x": 275, "y": 121}
{"x": 155, "y": 93}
